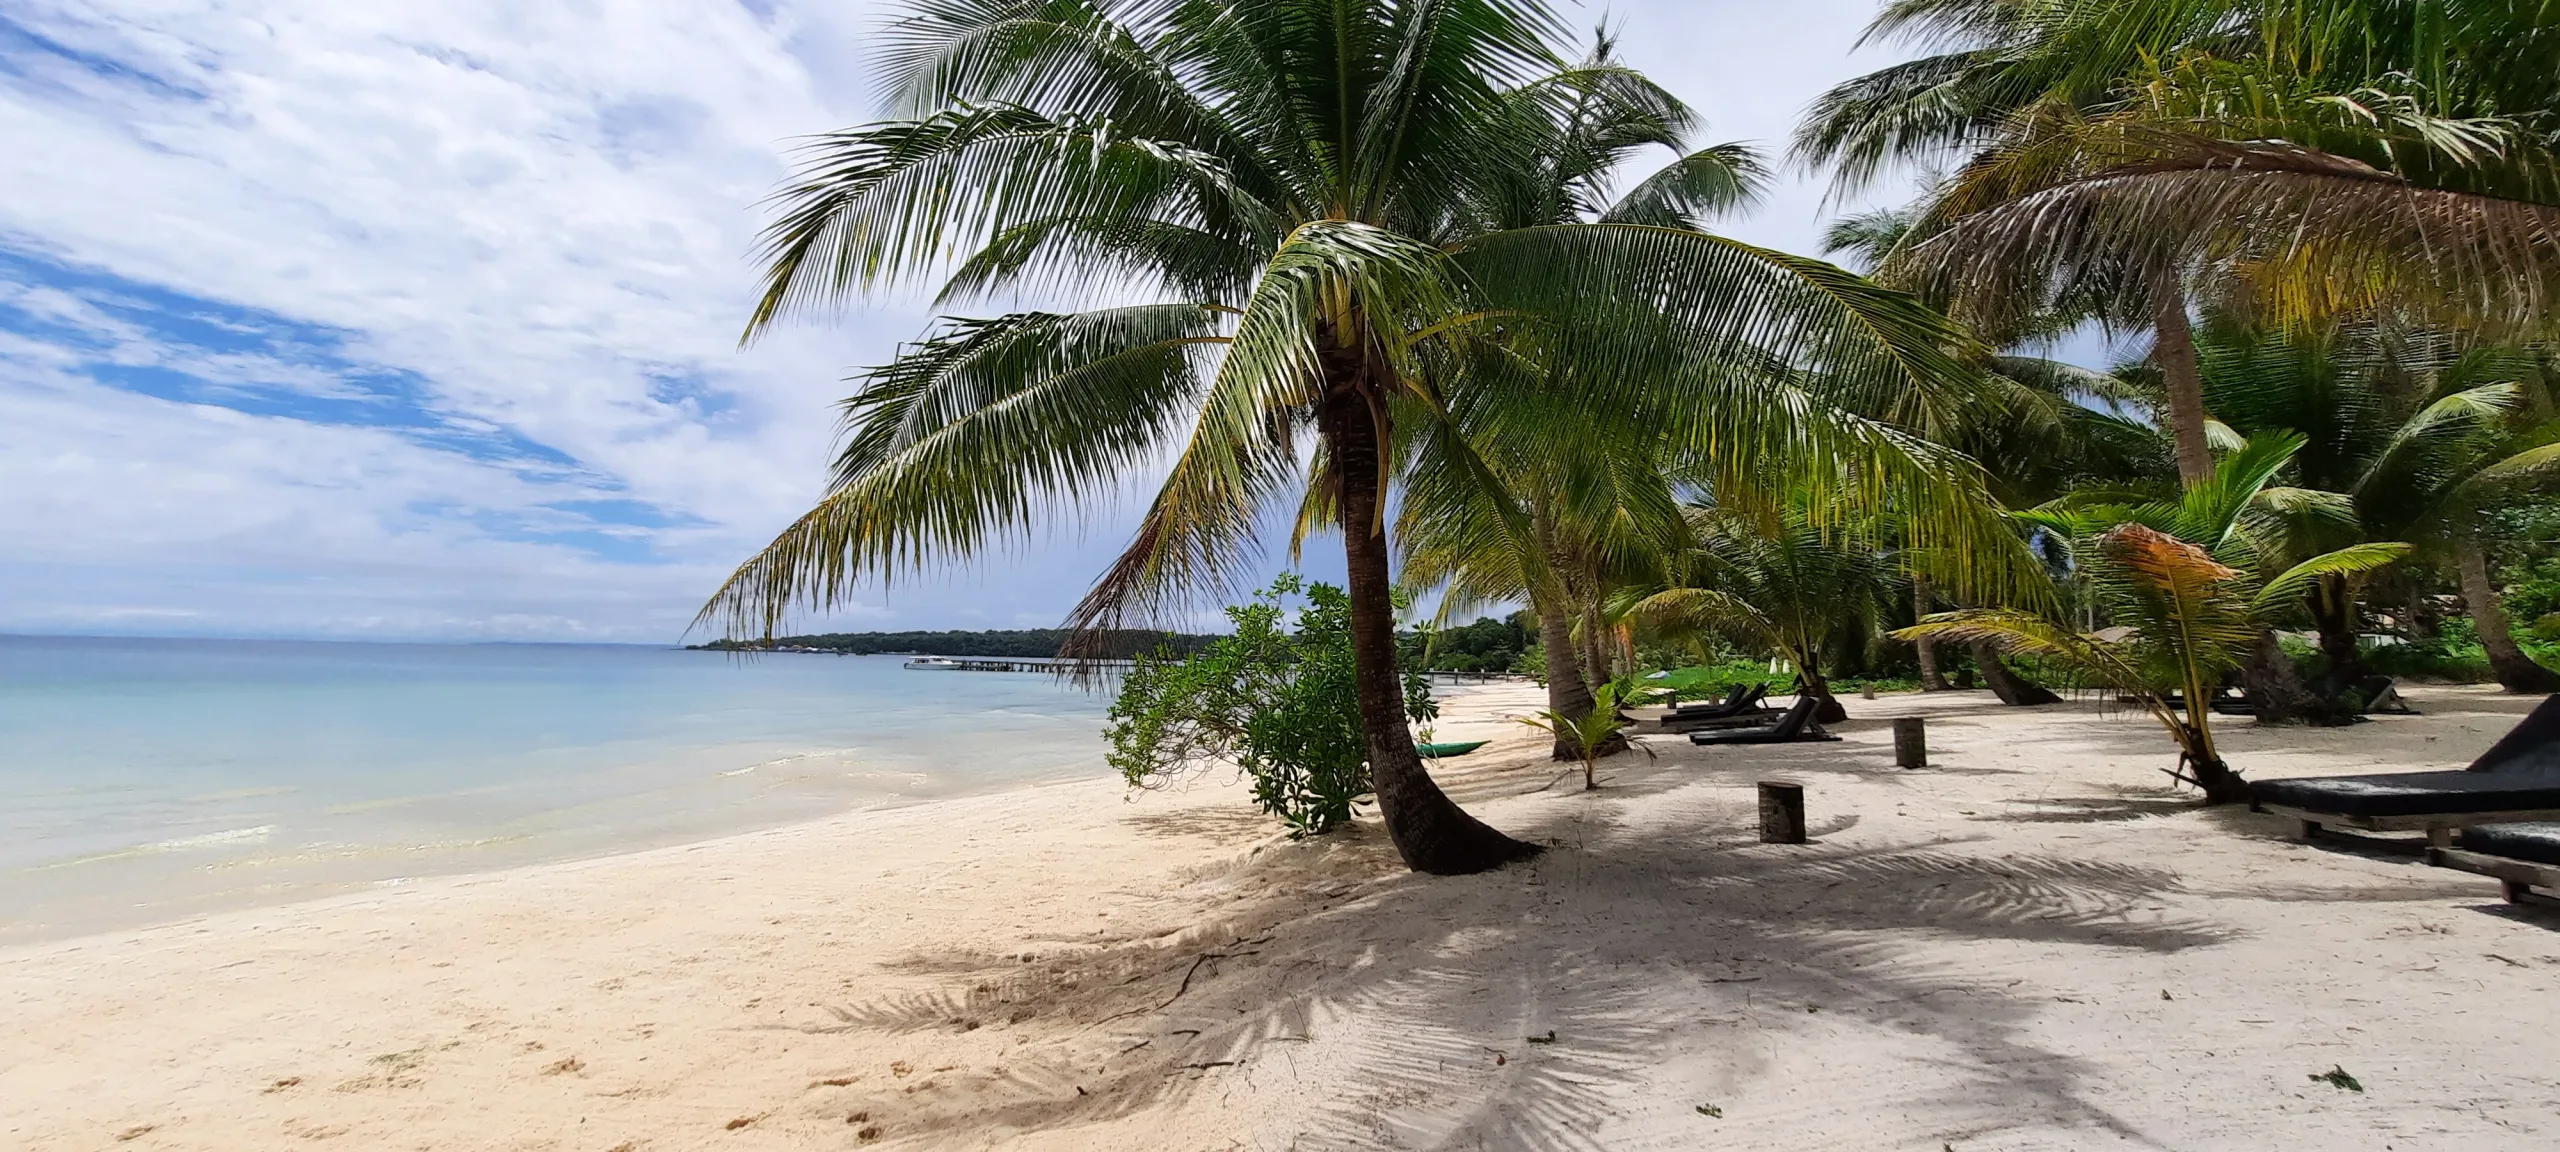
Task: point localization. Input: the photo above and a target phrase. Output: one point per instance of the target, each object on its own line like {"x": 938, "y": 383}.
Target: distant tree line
{"x": 1020, "y": 643}
{"x": 1488, "y": 645}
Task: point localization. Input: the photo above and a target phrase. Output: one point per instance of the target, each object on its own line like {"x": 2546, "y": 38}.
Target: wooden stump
{"x": 1781, "y": 812}
{"x": 1911, "y": 742}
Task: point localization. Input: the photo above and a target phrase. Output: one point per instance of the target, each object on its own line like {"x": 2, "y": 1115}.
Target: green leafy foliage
{"x": 1594, "y": 731}
{"x": 2533, "y": 598}
{"x": 1281, "y": 704}
{"x": 1488, "y": 645}
{"x": 2339, "y": 1078}
{"x": 1713, "y": 681}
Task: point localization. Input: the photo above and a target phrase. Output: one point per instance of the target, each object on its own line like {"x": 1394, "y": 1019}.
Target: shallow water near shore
{"x": 147, "y": 780}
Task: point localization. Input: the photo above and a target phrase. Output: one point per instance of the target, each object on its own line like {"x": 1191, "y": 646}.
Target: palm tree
{"x": 1584, "y": 485}
{"x": 1300, "y": 183}
{"x": 2314, "y": 160}
{"x": 1591, "y": 526}
{"x": 1595, "y": 728}
{"x": 2317, "y": 160}
{"x": 2412, "y": 430}
{"x": 2181, "y": 576}
{"x": 1785, "y": 580}
{"x": 2190, "y": 624}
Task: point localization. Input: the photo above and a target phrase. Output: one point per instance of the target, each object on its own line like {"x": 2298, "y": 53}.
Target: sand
{"x": 2031, "y": 944}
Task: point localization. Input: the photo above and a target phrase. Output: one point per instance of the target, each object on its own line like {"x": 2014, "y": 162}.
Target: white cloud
{"x": 543, "y": 215}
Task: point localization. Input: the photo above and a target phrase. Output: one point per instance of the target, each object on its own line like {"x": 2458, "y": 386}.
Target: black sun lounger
{"x": 1741, "y": 697}
{"x": 1796, "y": 724}
{"x": 2521, "y": 856}
{"x": 2516, "y": 781}
{"x": 1746, "y": 710}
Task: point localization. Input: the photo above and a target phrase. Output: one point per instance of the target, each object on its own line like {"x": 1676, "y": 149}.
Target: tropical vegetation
{"x": 1442, "y": 283}
{"x": 1284, "y": 229}
{"x": 1278, "y": 701}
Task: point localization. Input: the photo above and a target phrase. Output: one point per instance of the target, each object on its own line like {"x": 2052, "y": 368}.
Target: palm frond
{"x": 986, "y": 428}
{"x": 2288, "y": 588}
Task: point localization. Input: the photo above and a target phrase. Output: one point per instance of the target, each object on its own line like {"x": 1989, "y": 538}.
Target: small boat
{"x": 933, "y": 663}
{"x": 1437, "y": 751}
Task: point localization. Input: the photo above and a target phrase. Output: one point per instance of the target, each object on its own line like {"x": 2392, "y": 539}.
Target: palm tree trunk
{"x": 2275, "y": 688}
{"x": 1931, "y": 680}
{"x": 1829, "y": 711}
{"x": 1568, "y": 688}
{"x": 1595, "y": 645}
{"x": 2211, "y": 773}
{"x": 1430, "y": 831}
{"x": 2013, "y": 690}
{"x": 1568, "y": 694}
{"x": 2417, "y": 620}
{"x": 2174, "y": 346}
{"x": 2333, "y": 612}
{"x": 2516, "y": 671}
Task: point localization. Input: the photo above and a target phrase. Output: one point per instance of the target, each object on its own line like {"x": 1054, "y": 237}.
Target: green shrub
{"x": 2453, "y": 654}
{"x": 1713, "y": 681}
{"x": 1281, "y": 705}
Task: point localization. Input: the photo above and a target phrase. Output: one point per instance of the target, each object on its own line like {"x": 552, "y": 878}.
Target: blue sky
{"x": 322, "y": 318}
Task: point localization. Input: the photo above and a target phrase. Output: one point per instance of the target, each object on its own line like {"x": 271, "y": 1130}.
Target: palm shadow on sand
{"x": 1407, "y": 1003}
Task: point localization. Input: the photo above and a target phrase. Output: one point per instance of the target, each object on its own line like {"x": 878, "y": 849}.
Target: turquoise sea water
{"x": 147, "y": 780}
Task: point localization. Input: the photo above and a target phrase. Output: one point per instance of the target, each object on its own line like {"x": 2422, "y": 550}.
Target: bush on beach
{"x": 1282, "y": 705}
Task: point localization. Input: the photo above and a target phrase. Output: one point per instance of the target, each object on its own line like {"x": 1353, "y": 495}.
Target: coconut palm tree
{"x": 1297, "y": 186}
{"x": 2314, "y": 160}
{"x": 2416, "y": 430}
{"x": 2184, "y": 578}
{"x": 1784, "y": 579}
{"x": 1586, "y": 487}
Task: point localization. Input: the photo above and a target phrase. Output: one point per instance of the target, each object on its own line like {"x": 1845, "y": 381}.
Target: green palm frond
{"x": 1695, "y": 189}
{"x": 986, "y": 428}
{"x": 2288, "y": 588}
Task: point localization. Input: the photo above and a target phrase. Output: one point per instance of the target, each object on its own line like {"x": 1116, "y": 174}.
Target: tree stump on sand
{"x": 1781, "y": 812}
{"x": 1911, "y": 742}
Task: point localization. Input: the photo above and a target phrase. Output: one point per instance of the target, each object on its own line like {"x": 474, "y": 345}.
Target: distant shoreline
{"x": 1020, "y": 644}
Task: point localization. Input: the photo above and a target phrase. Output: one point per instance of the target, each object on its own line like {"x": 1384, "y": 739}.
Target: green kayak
{"x": 1436, "y": 751}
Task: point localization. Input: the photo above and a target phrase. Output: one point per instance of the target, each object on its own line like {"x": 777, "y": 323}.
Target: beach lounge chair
{"x": 1743, "y": 700}
{"x": 2521, "y": 856}
{"x": 2516, "y": 781}
{"x": 1732, "y": 701}
{"x": 1796, "y": 724}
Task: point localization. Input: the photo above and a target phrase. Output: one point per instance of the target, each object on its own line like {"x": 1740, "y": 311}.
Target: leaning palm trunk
{"x": 2333, "y": 611}
{"x": 1595, "y": 645}
{"x": 2275, "y": 689}
{"x": 2174, "y": 348}
{"x": 1568, "y": 693}
{"x": 2013, "y": 690}
{"x": 2516, "y": 672}
{"x": 1431, "y": 833}
{"x": 1931, "y": 679}
{"x": 1811, "y": 682}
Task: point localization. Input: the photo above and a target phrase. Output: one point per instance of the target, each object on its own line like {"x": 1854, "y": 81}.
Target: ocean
{"x": 143, "y": 781}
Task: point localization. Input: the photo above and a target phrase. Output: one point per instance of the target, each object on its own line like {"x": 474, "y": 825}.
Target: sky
{"x": 419, "y": 321}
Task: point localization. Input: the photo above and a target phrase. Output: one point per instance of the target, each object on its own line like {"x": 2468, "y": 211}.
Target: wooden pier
{"x": 1047, "y": 665}
{"x": 1055, "y": 666}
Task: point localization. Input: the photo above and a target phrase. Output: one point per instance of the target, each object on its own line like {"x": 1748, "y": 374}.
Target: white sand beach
{"x": 2030, "y": 944}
